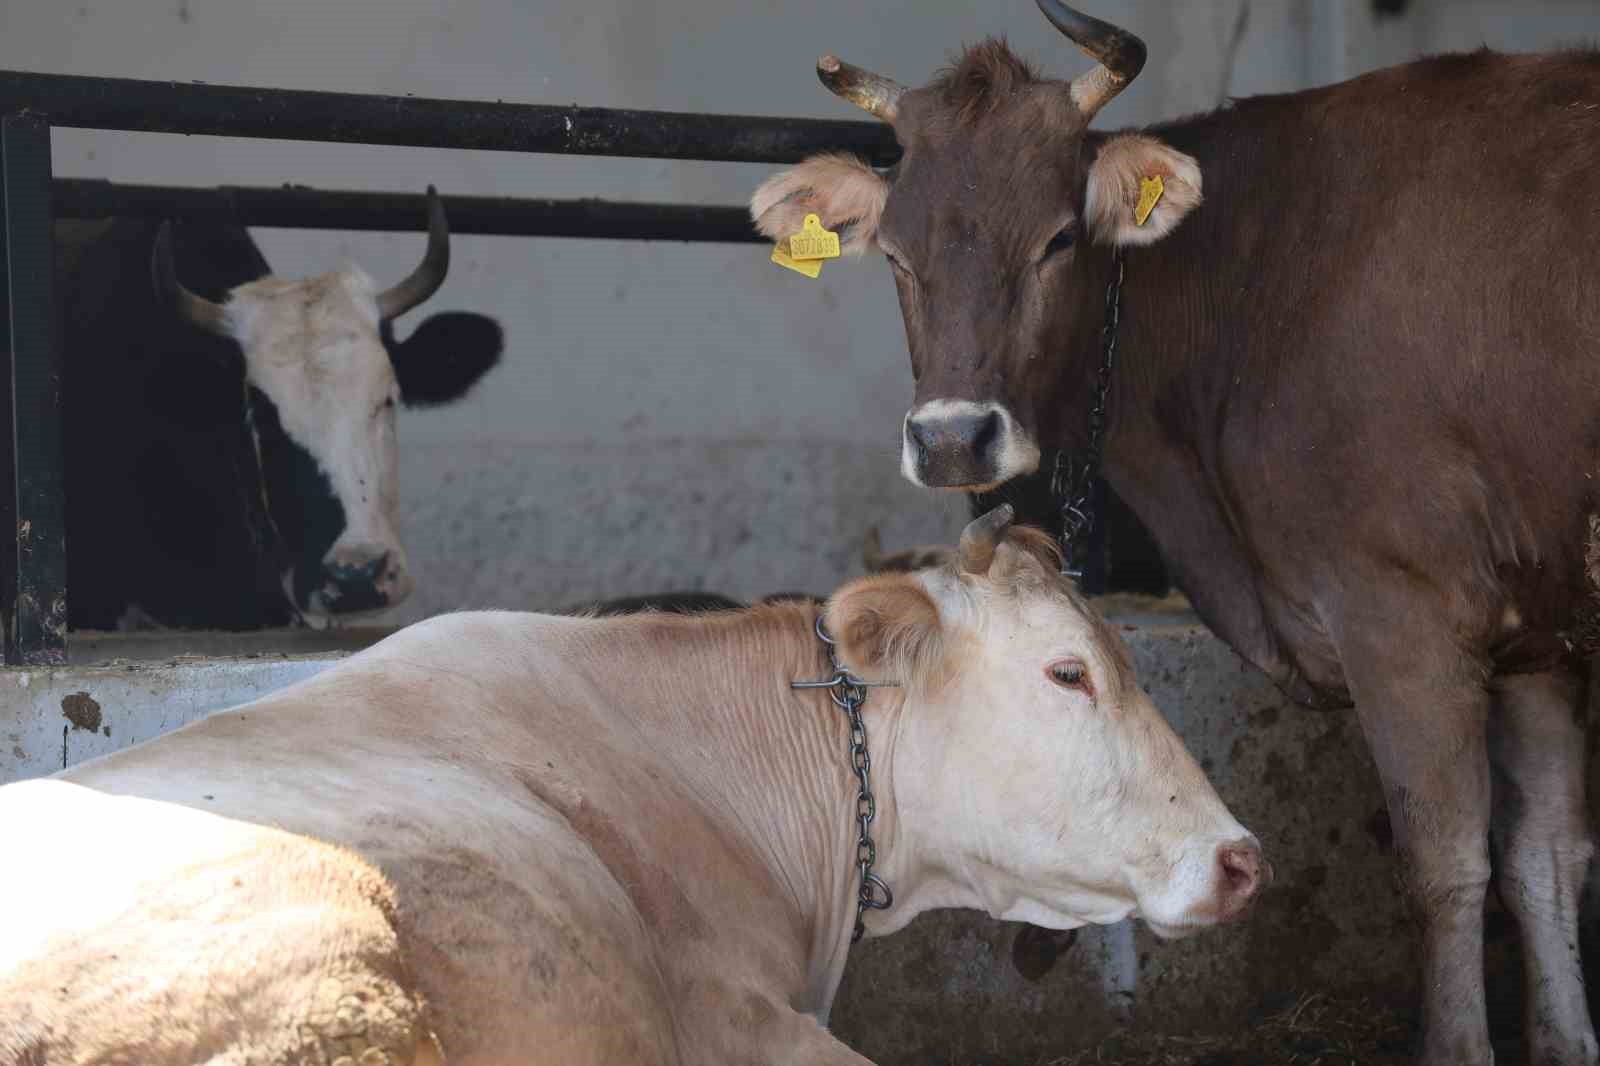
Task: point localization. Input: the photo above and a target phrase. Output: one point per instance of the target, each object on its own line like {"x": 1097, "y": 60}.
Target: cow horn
{"x": 429, "y": 275}
{"x": 982, "y": 536}
{"x": 211, "y": 317}
{"x": 871, "y": 550}
{"x": 872, "y": 93}
{"x": 1121, "y": 55}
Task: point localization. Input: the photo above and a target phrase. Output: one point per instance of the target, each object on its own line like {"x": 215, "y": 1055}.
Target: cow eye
{"x": 1061, "y": 241}
{"x": 1069, "y": 673}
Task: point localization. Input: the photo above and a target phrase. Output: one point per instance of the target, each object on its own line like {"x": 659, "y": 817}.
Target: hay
{"x": 1318, "y": 1030}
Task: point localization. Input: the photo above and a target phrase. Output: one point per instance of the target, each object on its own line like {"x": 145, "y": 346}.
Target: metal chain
{"x": 1075, "y": 488}
{"x": 848, "y": 693}
{"x": 265, "y": 536}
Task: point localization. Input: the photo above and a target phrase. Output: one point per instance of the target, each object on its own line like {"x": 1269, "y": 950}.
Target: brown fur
{"x": 888, "y": 627}
{"x": 982, "y": 78}
{"x": 1355, "y": 403}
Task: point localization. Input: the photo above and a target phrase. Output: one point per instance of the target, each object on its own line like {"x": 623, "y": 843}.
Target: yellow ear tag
{"x": 809, "y": 267}
{"x": 814, "y": 242}
{"x": 1150, "y": 192}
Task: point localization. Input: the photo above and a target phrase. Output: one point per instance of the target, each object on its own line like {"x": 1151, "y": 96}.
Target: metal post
{"x": 33, "y": 560}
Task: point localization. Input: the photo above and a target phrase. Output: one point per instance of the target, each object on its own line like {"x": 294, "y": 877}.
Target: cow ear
{"x": 887, "y": 629}
{"x": 444, "y": 356}
{"x": 841, "y": 190}
{"x": 1123, "y": 177}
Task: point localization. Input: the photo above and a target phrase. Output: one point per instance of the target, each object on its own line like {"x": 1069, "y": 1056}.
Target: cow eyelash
{"x": 1070, "y": 673}
{"x": 1061, "y": 241}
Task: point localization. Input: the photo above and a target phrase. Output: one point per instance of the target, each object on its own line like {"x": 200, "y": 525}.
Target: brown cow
{"x": 1357, "y": 404}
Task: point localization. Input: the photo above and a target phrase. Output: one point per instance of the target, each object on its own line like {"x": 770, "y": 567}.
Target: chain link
{"x": 848, "y": 693}
{"x": 1075, "y": 486}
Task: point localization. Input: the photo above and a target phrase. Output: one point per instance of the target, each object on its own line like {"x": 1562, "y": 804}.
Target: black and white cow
{"x": 231, "y": 457}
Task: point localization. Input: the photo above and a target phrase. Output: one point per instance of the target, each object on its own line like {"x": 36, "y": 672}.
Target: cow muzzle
{"x": 959, "y": 444}
{"x": 1221, "y": 881}
{"x": 354, "y": 579}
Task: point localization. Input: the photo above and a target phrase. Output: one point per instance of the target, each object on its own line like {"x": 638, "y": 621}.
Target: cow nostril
{"x": 1241, "y": 872}
{"x": 358, "y": 573}
{"x": 914, "y": 431}
{"x": 985, "y": 433}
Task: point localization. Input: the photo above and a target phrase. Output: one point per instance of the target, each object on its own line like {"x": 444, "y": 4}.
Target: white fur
{"x": 1106, "y": 815}
{"x": 1113, "y": 193}
{"x": 1019, "y": 453}
{"x": 841, "y": 190}
{"x": 313, "y": 348}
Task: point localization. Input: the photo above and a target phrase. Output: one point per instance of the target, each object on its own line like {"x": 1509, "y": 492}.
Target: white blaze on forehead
{"x": 313, "y": 348}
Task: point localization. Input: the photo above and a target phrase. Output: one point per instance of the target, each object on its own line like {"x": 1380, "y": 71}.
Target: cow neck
{"x": 849, "y": 693}
{"x": 782, "y": 778}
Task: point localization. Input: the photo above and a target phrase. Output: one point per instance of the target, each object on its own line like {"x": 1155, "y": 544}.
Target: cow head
{"x": 1037, "y": 780}
{"x": 982, "y": 219}
{"x": 322, "y": 377}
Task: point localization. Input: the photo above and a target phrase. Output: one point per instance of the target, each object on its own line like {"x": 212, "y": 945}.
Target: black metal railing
{"x": 33, "y": 566}
{"x": 298, "y": 207}
{"x": 421, "y": 122}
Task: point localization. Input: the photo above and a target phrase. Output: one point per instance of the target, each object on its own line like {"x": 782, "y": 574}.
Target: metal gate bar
{"x": 298, "y": 207}
{"x": 33, "y": 560}
{"x": 418, "y": 122}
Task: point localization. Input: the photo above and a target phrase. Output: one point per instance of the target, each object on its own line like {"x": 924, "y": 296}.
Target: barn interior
{"x": 683, "y": 416}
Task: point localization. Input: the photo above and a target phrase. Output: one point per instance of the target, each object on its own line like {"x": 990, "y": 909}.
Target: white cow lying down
{"x": 509, "y": 838}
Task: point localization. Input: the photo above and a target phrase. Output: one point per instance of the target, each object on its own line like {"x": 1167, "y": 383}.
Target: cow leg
{"x": 1542, "y": 851}
{"x": 1423, "y": 705}
{"x": 735, "y": 1021}
{"x": 800, "y": 1040}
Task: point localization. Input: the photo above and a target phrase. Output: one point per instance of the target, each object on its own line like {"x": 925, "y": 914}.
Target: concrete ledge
{"x": 54, "y": 718}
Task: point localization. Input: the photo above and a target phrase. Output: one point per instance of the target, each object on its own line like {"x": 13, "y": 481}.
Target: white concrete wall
{"x": 666, "y": 416}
